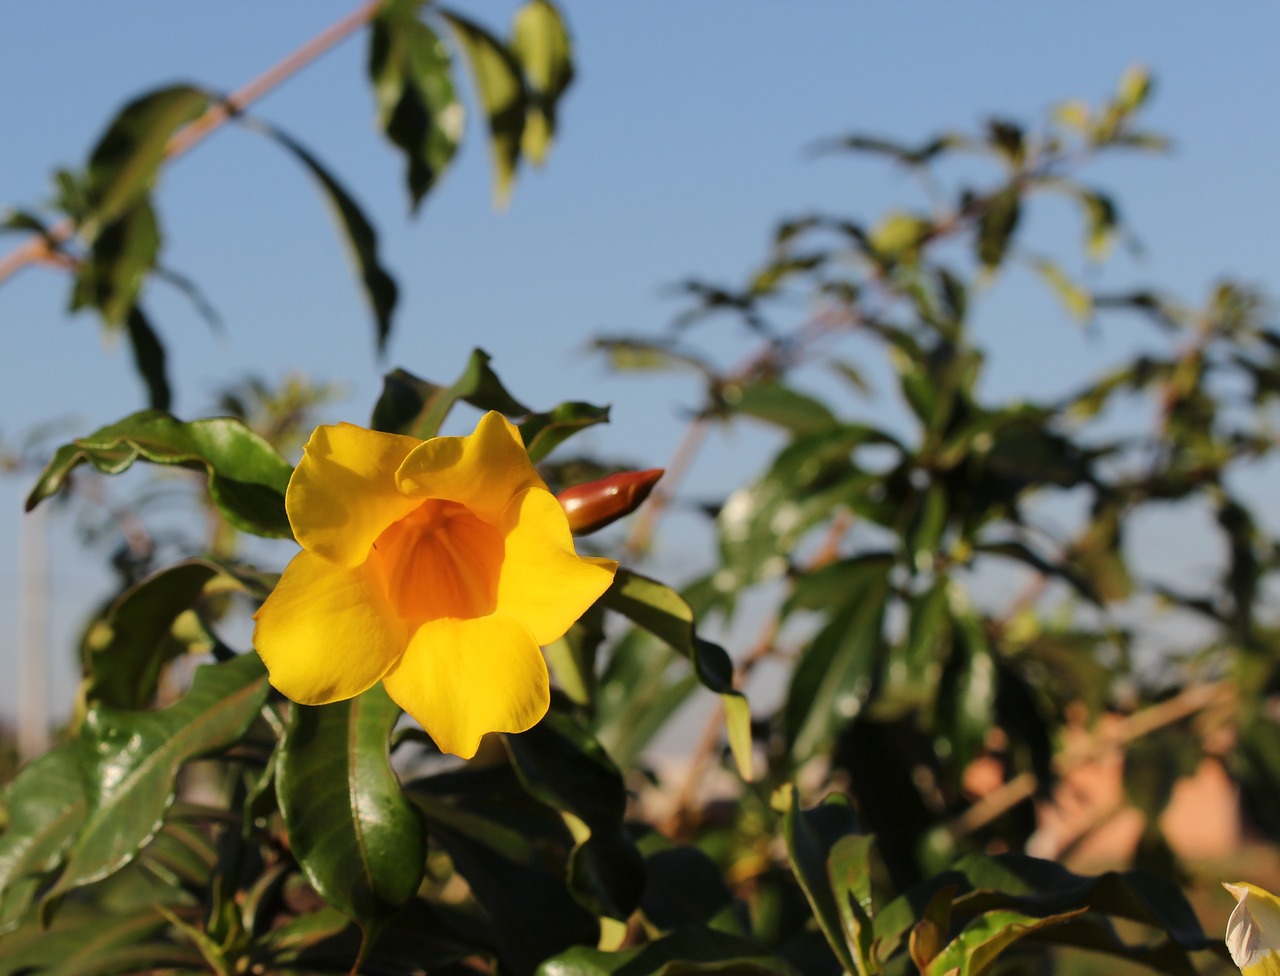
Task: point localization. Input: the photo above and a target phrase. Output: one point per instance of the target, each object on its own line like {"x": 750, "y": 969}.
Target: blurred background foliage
{"x": 950, "y": 630}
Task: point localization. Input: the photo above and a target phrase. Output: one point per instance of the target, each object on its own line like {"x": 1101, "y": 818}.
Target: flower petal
{"x": 326, "y": 632}
{"x": 482, "y": 470}
{"x": 463, "y": 678}
{"x": 343, "y": 492}
{"x": 543, "y": 583}
{"x": 1253, "y": 930}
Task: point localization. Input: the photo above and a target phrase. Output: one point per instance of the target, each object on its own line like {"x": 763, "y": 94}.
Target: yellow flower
{"x": 438, "y": 567}
{"x": 1253, "y": 930}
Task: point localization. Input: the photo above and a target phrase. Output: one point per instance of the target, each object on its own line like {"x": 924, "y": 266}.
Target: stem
{"x": 44, "y": 247}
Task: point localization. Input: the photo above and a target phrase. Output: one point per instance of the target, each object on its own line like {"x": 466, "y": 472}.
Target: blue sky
{"x": 682, "y": 143}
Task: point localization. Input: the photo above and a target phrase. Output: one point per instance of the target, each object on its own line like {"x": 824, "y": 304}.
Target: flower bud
{"x": 594, "y": 505}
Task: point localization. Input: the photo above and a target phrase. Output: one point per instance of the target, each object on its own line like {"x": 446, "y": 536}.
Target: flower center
{"x": 440, "y": 560}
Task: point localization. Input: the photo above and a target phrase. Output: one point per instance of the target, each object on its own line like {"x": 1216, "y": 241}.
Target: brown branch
{"x": 1186, "y": 703}
{"x": 44, "y": 247}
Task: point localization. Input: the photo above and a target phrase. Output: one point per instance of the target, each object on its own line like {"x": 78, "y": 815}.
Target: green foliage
{"x": 199, "y": 822}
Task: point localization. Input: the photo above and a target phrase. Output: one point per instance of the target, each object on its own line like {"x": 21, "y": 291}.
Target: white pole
{"x": 33, "y": 634}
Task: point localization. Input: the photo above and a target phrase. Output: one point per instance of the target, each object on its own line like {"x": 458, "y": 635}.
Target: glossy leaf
{"x": 358, "y": 839}
{"x": 247, "y": 477}
{"x": 361, "y": 239}
{"x": 976, "y": 949}
{"x": 540, "y": 42}
{"x": 664, "y": 613}
{"x": 418, "y": 109}
{"x": 501, "y": 88}
{"x": 409, "y": 405}
{"x": 124, "y": 163}
{"x": 131, "y": 760}
{"x": 46, "y": 805}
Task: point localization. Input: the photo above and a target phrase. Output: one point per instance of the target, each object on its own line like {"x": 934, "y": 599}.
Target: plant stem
{"x": 45, "y": 247}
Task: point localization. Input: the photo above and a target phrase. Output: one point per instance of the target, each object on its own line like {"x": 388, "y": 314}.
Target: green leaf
{"x": 664, "y": 613}
{"x": 513, "y": 852}
{"x": 358, "y": 839}
{"x": 811, "y": 836}
{"x": 46, "y": 805}
{"x": 148, "y": 359}
{"x": 362, "y": 240}
{"x": 247, "y": 476}
{"x": 996, "y": 225}
{"x": 541, "y": 44}
{"x": 409, "y": 405}
{"x": 502, "y": 95}
{"x": 130, "y": 761}
{"x": 125, "y": 652}
{"x": 566, "y": 768}
{"x": 850, "y": 868}
{"x": 85, "y": 941}
{"x": 418, "y": 109}
{"x": 636, "y": 695}
{"x": 683, "y": 887}
{"x": 979, "y": 945}
{"x": 124, "y": 251}
{"x": 1077, "y": 300}
{"x": 833, "y": 677}
{"x": 124, "y": 164}
{"x": 544, "y": 432}
{"x": 685, "y": 951}
{"x": 774, "y": 403}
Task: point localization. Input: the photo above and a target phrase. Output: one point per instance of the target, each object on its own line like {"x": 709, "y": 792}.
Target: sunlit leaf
{"x": 540, "y": 42}
{"x": 500, "y": 85}
{"x": 247, "y": 477}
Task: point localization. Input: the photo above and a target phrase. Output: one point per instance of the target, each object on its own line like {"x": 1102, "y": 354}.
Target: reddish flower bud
{"x": 594, "y": 505}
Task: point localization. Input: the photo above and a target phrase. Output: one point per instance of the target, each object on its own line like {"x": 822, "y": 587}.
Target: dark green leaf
{"x": 125, "y": 652}
{"x": 832, "y": 679}
{"x": 683, "y": 887}
{"x": 413, "y": 406}
{"x": 996, "y": 225}
{"x": 111, "y": 275}
{"x": 513, "y": 852}
{"x": 130, "y": 761}
{"x": 544, "y": 432}
{"x": 502, "y": 95}
{"x": 127, "y": 158}
{"x": 362, "y": 240}
{"x": 811, "y": 837}
{"x": 149, "y": 359}
{"x": 85, "y": 941}
{"x": 247, "y": 477}
{"x": 357, "y": 837}
{"x": 412, "y": 75}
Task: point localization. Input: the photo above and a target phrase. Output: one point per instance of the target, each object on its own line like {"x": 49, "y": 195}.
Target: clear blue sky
{"x": 682, "y": 143}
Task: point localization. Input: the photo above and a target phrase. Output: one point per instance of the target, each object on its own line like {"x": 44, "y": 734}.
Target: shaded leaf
{"x": 685, "y": 951}
{"x": 418, "y": 109}
{"x": 362, "y": 240}
{"x": 544, "y": 432}
{"x": 247, "y": 477}
{"x": 996, "y": 225}
{"x": 409, "y": 405}
{"x": 148, "y": 359}
{"x": 121, "y": 255}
